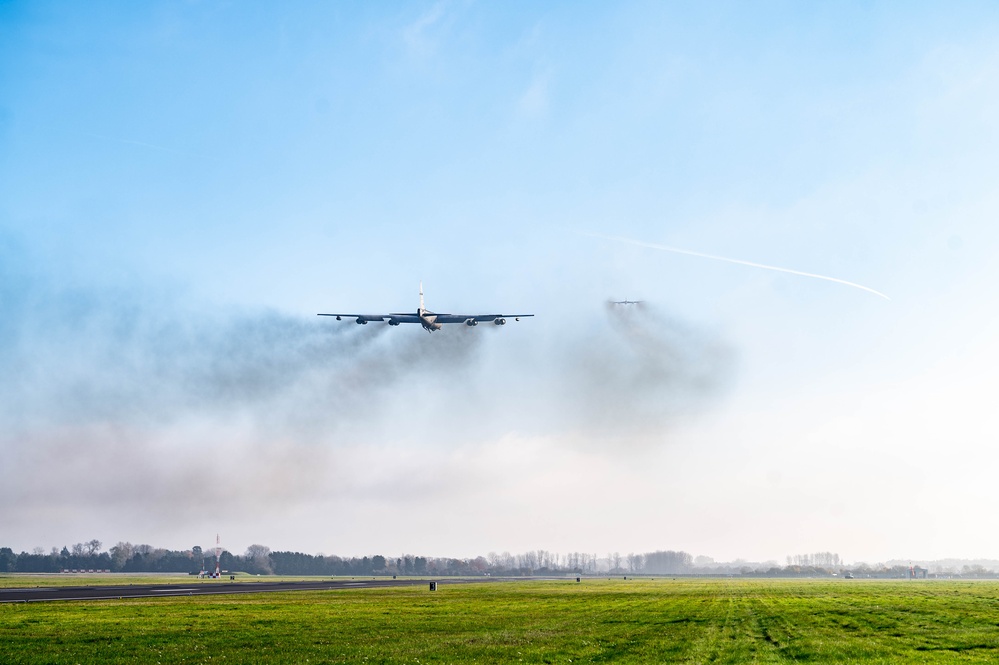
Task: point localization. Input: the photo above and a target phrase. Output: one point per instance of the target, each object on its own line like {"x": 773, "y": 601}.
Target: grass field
{"x": 613, "y": 621}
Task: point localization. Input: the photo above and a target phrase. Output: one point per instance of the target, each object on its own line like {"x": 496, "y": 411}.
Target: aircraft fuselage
{"x": 428, "y": 319}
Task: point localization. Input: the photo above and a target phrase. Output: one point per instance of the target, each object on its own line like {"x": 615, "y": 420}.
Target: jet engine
{"x": 394, "y": 322}
{"x": 500, "y": 322}
{"x": 361, "y": 322}
{"x": 471, "y": 322}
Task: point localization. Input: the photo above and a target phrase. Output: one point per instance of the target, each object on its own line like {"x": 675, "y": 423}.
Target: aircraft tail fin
{"x": 422, "y": 307}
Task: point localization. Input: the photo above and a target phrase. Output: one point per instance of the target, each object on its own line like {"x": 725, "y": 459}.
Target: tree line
{"x": 260, "y": 560}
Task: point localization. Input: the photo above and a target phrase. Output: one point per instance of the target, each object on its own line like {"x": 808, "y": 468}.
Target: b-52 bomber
{"x": 430, "y": 321}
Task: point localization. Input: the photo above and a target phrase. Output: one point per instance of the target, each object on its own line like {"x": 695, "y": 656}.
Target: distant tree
{"x": 615, "y": 561}
{"x": 8, "y": 560}
{"x": 227, "y": 561}
{"x": 36, "y": 562}
{"x": 258, "y": 559}
{"x": 120, "y": 554}
{"x": 198, "y": 555}
{"x": 378, "y": 563}
{"x": 528, "y": 561}
{"x": 92, "y": 548}
{"x": 668, "y": 562}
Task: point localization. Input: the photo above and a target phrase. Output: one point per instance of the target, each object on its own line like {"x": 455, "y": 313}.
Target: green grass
{"x": 597, "y": 621}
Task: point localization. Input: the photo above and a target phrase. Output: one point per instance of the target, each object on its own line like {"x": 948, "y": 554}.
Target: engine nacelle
{"x": 471, "y": 322}
{"x": 393, "y": 322}
{"x": 500, "y": 322}
{"x": 361, "y": 322}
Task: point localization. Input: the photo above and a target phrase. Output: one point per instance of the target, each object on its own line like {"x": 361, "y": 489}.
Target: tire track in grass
{"x": 728, "y": 631}
{"x": 755, "y": 646}
{"x": 781, "y": 634}
{"x": 722, "y": 639}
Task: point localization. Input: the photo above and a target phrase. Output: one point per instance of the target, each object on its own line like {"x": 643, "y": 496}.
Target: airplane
{"x": 430, "y": 321}
{"x": 626, "y": 302}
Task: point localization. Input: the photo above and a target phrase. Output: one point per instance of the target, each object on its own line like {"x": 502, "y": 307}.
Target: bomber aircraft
{"x": 626, "y": 302}
{"x": 430, "y": 321}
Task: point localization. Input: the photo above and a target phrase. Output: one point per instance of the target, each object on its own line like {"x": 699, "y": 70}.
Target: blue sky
{"x": 184, "y": 185}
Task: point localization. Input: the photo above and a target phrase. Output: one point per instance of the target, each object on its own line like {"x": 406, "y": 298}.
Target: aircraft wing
{"x": 394, "y": 319}
{"x": 366, "y": 317}
{"x": 462, "y": 318}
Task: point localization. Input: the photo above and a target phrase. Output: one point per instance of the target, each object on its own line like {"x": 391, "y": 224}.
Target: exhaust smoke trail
{"x": 631, "y": 381}
{"x": 134, "y": 391}
{"x": 132, "y": 408}
{"x": 677, "y": 250}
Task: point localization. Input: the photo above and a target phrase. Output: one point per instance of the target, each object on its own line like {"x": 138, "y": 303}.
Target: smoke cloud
{"x": 632, "y": 379}
{"x": 148, "y": 406}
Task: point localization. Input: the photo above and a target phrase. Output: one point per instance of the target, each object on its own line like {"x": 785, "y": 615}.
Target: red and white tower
{"x": 218, "y": 557}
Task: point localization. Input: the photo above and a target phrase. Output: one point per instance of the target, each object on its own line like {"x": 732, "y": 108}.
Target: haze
{"x": 183, "y": 186}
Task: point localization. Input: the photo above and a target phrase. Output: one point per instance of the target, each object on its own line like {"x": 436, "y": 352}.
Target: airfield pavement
{"x": 213, "y": 587}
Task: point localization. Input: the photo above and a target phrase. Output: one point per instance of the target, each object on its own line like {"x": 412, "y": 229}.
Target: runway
{"x": 198, "y": 587}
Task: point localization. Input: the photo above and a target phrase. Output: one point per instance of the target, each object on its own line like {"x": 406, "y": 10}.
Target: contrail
{"x": 138, "y": 143}
{"x": 677, "y": 250}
